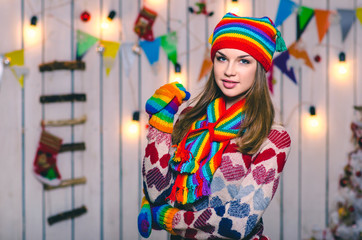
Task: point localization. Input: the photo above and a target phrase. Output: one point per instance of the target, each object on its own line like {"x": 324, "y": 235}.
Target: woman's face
{"x": 234, "y": 72}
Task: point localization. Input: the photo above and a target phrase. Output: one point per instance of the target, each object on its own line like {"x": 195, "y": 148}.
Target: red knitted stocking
{"x": 45, "y": 166}
{"x": 144, "y": 22}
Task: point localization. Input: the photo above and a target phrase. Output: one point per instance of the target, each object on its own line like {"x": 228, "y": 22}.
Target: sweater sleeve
{"x": 238, "y": 218}
{"x": 155, "y": 170}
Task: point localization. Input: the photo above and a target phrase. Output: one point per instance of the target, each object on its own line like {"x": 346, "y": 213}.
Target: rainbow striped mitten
{"x": 163, "y": 105}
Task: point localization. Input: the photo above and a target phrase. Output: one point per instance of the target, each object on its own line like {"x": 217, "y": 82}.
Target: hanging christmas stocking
{"x": 45, "y": 164}
{"x": 144, "y": 22}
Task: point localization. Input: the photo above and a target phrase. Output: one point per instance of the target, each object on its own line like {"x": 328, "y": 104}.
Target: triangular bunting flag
{"x": 299, "y": 52}
{"x": 304, "y": 16}
{"x": 322, "y": 21}
{"x": 128, "y": 57}
{"x": 151, "y": 49}
{"x": 16, "y": 59}
{"x": 359, "y": 14}
{"x": 109, "y": 54}
{"x": 285, "y": 9}
{"x": 169, "y": 45}
{"x": 84, "y": 43}
{"x": 206, "y": 67}
{"x": 347, "y": 18}
{"x": 281, "y": 62}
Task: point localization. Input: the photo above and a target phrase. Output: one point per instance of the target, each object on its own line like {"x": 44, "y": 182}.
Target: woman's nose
{"x": 230, "y": 70}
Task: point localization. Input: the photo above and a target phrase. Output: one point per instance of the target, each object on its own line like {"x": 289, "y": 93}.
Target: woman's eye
{"x": 244, "y": 61}
{"x": 221, "y": 59}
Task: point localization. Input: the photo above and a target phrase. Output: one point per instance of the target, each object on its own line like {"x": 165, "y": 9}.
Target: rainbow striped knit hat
{"x": 255, "y": 36}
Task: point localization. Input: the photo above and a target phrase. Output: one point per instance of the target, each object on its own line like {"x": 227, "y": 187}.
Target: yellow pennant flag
{"x": 109, "y": 54}
{"x": 16, "y": 59}
{"x": 359, "y": 14}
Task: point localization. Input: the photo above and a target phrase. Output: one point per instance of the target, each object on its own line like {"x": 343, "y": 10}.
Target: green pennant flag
{"x": 304, "y": 16}
{"x": 84, "y": 43}
{"x": 169, "y": 45}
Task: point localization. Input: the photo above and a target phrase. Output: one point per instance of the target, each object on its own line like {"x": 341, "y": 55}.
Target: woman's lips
{"x": 228, "y": 83}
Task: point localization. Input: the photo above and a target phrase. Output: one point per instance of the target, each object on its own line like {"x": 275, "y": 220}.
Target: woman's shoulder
{"x": 278, "y": 137}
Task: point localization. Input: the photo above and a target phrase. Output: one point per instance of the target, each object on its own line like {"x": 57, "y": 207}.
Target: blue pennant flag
{"x": 285, "y": 9}
{"x": 348, "y": 17}
{"x": 151, "y": 49}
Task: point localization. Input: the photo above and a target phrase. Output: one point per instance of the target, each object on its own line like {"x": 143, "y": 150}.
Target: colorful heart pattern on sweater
{"x": 261, "y": 176}
{"x": 231, "y": 172}
{"x": 260, "y": 202}
{"x": 239, "y": 210}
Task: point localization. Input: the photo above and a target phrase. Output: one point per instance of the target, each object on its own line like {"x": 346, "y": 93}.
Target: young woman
{"x": 213, "y": 173}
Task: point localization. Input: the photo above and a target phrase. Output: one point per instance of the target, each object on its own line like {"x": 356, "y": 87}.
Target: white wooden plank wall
{"x": 111, "y": 162}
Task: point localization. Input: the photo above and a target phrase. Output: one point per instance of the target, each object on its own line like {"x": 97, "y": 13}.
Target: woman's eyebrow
{"x": 242, "y": 56}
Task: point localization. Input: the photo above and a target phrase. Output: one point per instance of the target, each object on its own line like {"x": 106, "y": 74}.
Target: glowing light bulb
{"x": 154, "y": 2}
{"x": 177, "y": 75}
{"x": 313, "y": 121}
{"x": 342, "y": 66}
{"x": 31, "y": 32}
{"x": 134, "y": 126}
{"x": 105, "y": 24}
{"x": 233, "y": 7}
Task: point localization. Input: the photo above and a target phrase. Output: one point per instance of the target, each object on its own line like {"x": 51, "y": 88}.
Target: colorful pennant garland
{"x": 109, "y": 54}
{"x": 281, "y": 62}
{"x": 84, "y": 42}
{"x": 285, "y": 9}
{"x": 151, "y": 49}
{"x": 206, "y": 65}
{"x": 298, "y": 51}
{"x": 304, "y": 16}
{"x": 169, "y": 45}
{"x": 16, "y": 65}
{"x": 347, "y": 18}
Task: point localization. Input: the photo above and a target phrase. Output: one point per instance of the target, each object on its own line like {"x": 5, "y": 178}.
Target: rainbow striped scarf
{"x": 198, "y": 155}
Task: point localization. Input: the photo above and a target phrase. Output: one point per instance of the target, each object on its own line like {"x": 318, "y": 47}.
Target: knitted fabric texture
{"x": 163, "y": 105}
{"x": 145, "y": 219}
{"x": 198, "y": 155}
{"x": 163, "y": 215}
{"x": 255, "y": 36}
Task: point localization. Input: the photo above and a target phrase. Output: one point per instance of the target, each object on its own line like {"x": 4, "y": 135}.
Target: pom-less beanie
{"x": 255, "y": 36}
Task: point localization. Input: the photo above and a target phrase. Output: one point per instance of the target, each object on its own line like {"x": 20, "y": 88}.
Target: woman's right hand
{"x": 163, "y": 105}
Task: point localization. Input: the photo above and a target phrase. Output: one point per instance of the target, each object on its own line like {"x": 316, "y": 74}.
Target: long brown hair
{"x": 259, "y": 112}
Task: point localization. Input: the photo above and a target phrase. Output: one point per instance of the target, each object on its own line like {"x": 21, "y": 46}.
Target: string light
{"x": 134, "y": 127}
{"x": 31, "y": 30}
{"x": 109, "y": 19}
{"x": 313, "y": 121}
{"x": 177, "y": 75}
{"x": 233, "y": 7}
{"x": 342, "y": 66}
